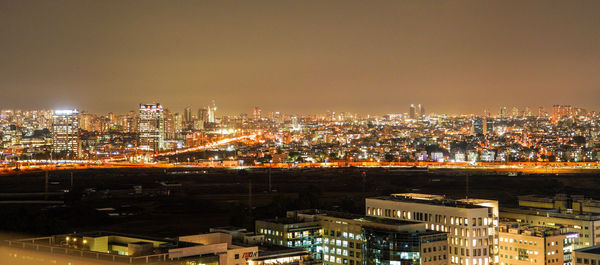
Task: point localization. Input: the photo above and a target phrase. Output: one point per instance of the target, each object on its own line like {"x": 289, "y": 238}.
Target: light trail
{"x": 210, "y": 145}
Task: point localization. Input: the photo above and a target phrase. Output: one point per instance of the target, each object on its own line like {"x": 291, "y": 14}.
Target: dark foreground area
{"x": 181, "y": 201}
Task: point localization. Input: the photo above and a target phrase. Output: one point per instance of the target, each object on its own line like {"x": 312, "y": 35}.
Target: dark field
{"x": 193, "y": 200}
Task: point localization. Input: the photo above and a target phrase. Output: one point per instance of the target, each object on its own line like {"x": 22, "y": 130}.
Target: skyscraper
{"x": 560, "y": 112}
{"x": 151, "y": 127}
{"x": 412, "y": 113}
{"x": 479, "y": 126}
{"x": 169, "y": 125}
{"x": 212, "y": 111}
{"x": 203, "y": 114}
{"x": 421, "y": 111}
{"x": 187, "y": 116}
{"x": 256, "y": 113}
{"x": 503, "y": 113}
{"x": 65, "y": 133}
{"x": 86, "y": 121}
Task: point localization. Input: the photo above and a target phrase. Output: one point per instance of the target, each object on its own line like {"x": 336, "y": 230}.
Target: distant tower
{"x": 515, "y": 112}
{"x": 503, "y": 113}
{"x": 169, "y": 124}
{"x": 212, "y": 110}
{"x": 560, "y": 112}
{"x": 421, "y": 111}
{"x": 177, "y": 123}
{"x": 203, "y": 114}
{"x": 151, "y": 127}
{"x": 187, "y": 115}
{"x": 256, "y": 113}
{"x": 479, "y": 126}
{"x": 489, "y": 125}
{"x": 412, "y": 112}
{"x": 65, "y": 133}
{"x": 541, "y": 112}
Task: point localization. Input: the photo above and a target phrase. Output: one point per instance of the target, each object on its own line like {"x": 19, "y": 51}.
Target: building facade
{"x": 587, "y": 256}
{"x": 574, "y": 213}
{"x": 65, "y": 133}
{"x": 291, "y": 232}
{"x": 350, "y": 239}
{"x": 471, "y": 224}
{"x": 151, "y": 127}
{"x": 535, "y": 245}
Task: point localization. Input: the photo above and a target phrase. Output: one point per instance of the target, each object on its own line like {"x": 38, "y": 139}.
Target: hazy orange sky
{"x": 299, "y": 56}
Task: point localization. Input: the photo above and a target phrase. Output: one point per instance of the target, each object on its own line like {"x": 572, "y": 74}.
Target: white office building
{"x": 471, "y": 224}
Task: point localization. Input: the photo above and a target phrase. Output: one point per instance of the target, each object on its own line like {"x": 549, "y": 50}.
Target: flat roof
{"x": 552, "y": 213}
{"x": 171, "y": 243}
{"x": 286, "y": 221}
{"x": 592, "y": 250}
{"x": 438, "y": 202}
{"x": 364, "y": 218}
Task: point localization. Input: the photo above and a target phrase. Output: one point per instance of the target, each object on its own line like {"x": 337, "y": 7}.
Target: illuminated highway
{"x": 121, "y": 162}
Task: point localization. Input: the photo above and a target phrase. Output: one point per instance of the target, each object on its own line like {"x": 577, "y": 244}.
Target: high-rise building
{"x": 86, "y": 121}
{"x": 527, "y": 112}
{"x": 169, "y": 125}
{"x": 131, "y": 126}
{"x": 178, "y": 122}
{"x": 560, "y": 112}
{"x": 489, "y": 125}
{"x": 212, "y": 112}
{"x": 503, "y": 113}
{"x": 541, "y": 112}
{"x": 256, "y": 113}
{"x": 203, "y": 114}
{"x": 471, "y": 224}
{"x": 187, "y": 116}
{"x": 151, "y": 127}
{"x": 421, "y": 111}
{"x": 412, "y": 113}
{"x": 65, "y": 133}
{"x": 515, "y": 112}
{"x": 479, "y": 126}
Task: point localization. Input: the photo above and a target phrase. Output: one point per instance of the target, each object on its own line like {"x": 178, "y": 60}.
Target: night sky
{"x": 299, "y": 56}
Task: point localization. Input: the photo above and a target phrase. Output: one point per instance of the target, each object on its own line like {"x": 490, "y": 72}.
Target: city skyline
{"x": 456, "y": 57}
{"x": 407, "y": 112}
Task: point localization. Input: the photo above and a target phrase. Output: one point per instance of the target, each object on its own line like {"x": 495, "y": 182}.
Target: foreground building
{"x": 535, "y": 245}
{"x": 358, "y": 239}
{"x": 575, "y": 214}
{"x": 102, "y": 247}
{"x": 292, "y": 232}
{"x": 119, "y": 248}
{"x": 471, "y": 224}
{"x": 587, "y": 256}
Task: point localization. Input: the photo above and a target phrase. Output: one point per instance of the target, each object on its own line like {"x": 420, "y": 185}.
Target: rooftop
{"x": 553, "y": 213}
{"x": 357, "y": 217}
{"x": 530, "y": 230}
{"x": 431, "y": 200}
{"x": 591, "y": 250}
